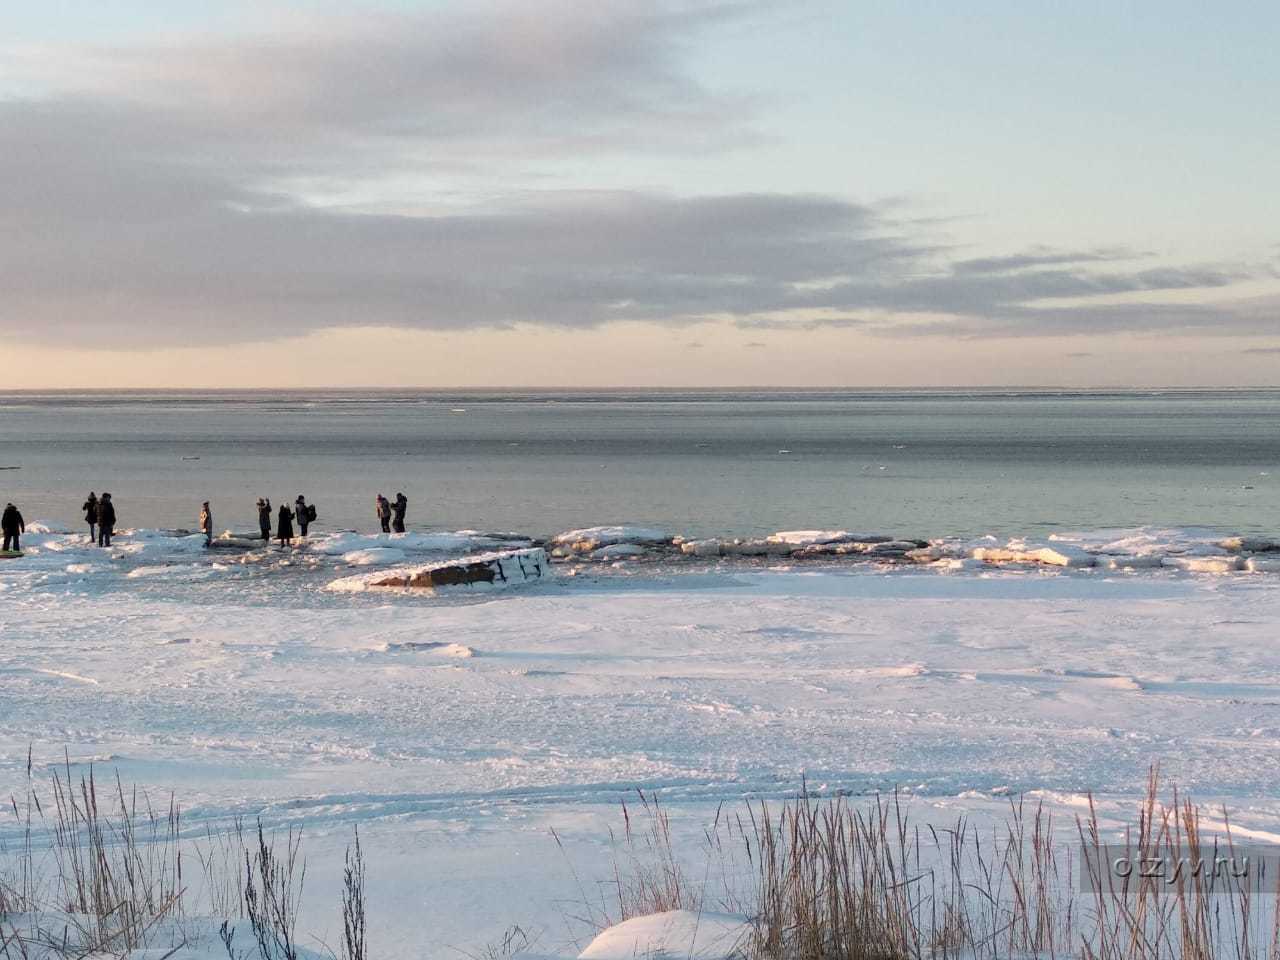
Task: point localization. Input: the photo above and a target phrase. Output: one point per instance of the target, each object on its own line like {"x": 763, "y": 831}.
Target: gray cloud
{"x": 1042, "y": 257}
{"x": 150, "y": 198}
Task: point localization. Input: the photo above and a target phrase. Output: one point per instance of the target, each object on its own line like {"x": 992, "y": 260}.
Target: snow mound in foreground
{"x": 510, "y": 568}
{"x": 677, "y": 933}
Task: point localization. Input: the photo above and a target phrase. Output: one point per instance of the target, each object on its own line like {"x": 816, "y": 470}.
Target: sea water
{"x": 700, "y": 463}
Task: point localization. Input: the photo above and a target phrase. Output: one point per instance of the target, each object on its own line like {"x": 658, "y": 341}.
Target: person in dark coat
{"x": 399, "y": 507}
{"x": 206, "y": 523}
{"x": 302, "y": 513}
{"x": 13, "y": 525}
{"x": 382, "y": 507}
{"x": 106, "y": 520}
{"x": 90, "y": 509}
{"x": 264, "y": 517}
{"x": 284, "y": 526}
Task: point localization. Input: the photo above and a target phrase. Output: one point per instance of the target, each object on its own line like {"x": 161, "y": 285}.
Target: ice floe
{"x": 590, "y": 539}
{"x": 373, "y": 557}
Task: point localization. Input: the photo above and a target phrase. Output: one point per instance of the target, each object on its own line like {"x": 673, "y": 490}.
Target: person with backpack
{"x": 264, "y": 517}
{"x": 399, "y": 507}
{"x": 206, "y": 523}
{"x": 106, "y": 520}
{"x": 284, "y": 526}
{"x": 90, "y": 508}
{"x": 12, "y": 524}
{"x": 305, "y": 513}
{"x": 382, "y": 507}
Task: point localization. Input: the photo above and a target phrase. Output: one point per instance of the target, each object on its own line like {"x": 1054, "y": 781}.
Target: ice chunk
{"x": 1204, "y": 564}
{"x": 1249, "y": 545}
{"x": 1145, "y": 561}
{"x": 1018, "y": 551}
{"x": 702, "y": 548}
{"x": 807, "y": 538}
{"x": 586, "y": 539}
{"x": 374, "y": 557}
{"x": 487, "y": 570}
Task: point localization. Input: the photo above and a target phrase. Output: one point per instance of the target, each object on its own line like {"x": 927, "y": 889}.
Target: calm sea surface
{"x": 705, "y": 463}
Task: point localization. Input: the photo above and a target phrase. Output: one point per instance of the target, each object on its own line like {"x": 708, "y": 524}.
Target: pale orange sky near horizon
{"x": 643, "y": 355}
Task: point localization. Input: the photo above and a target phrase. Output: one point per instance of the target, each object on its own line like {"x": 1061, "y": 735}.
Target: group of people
{"x": 100, "y": 514}
{"x": 303, "y": 512}
{"x": 391, "y": 515}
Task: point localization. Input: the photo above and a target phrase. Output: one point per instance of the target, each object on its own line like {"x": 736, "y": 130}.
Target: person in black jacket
{"x": 382, "y": 507}
{"x": 206, "y": 523}
{"x": 399, "y": 507}
{"x": 106, "y": 520}
{"x": 284, "y": 526}
{"x": 303, "y": 513}
{"x": 90, "y": 509}
{"x": 264, "y": 517}
{"x": 12, "y": 524}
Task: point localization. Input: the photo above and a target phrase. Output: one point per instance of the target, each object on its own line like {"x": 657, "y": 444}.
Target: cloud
{"x": 164, "y": 194}
{"x": 548, "y": 76}
{"x": 1041, "y": 257}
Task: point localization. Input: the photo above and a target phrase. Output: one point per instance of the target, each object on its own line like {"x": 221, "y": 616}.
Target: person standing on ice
{"x": 106, "y": 520}
{"x": 400, "y": 506}
{"x": 90, "y": 509}
{"x": 284, "y": 526}
{"x": 264, "y": 517}
{"x": 12, "y": 524}
{"x": 383, "y": 508}
{"x": 303, "y": 513}
{"x": 206, "y": 523}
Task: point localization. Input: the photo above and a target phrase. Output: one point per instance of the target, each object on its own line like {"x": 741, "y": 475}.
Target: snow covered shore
{"x": 458, "y": 731}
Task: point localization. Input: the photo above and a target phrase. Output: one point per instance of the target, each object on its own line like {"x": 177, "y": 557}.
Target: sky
{"x": 639, "y": 193}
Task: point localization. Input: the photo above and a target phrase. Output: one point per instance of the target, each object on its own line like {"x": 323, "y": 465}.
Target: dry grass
{"x": 826, "y": 879}
{"x": 99, "y": 874}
